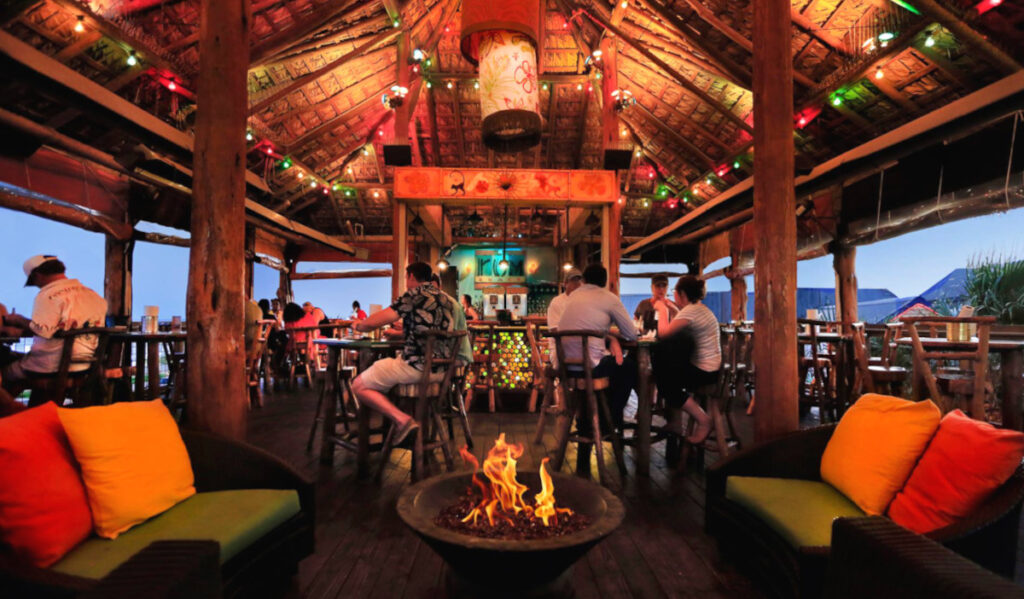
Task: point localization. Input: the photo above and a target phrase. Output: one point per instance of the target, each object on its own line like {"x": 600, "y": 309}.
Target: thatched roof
{"x": 693, "y": 114}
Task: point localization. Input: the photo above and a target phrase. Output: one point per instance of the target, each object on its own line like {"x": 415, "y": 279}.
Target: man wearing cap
{"x": 659, "y": 293}
{"x": 573, "y": 279}
{"x": 60, "y": 305}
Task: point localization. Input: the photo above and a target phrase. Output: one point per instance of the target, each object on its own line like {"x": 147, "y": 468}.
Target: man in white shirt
{"x": 60, "y": 305}
{"x": 594, "y": 308}
{"x": 573, "y": 280}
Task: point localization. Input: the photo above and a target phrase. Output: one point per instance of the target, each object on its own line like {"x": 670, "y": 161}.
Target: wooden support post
{"x": 775, "y": 344}
{"x": 216, "y": 379}
{"x": 844, "y": 261}
{"x": 611, "y": 243}
{"x": 737, "y": 282}
{"x": 609, "y": 83}
{"x": 284, "y": 282}
{"x": 400, "y": 247}
{"x": 117, "y": 277}
{"x": 250, "y": 249}
{"x": 404, "y": 112}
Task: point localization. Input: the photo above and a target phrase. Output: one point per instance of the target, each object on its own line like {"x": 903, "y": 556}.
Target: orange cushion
{"x": 965, "y": 462}
{"x": 875, "y": 446}
{"x": 43, "y": 509}
{"x": 133, "y": 461}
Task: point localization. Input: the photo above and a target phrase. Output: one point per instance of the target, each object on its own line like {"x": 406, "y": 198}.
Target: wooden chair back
{"x": 425, "y": 387}
{"x": 863, "y": 382}
{"x": 536, "y": 354}
{"x": 893, "y": 331}
{"x": 572, "y": 378}
{"x": 94, "y": 377}
{"x": 973, "y": 352}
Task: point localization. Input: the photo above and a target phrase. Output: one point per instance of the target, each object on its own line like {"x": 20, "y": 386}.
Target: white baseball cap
{"x": 35, "y": 262}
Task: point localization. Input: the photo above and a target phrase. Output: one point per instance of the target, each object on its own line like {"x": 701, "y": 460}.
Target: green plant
{"x": 995, "y": 287}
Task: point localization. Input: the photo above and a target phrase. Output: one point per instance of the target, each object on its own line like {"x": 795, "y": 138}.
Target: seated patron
{"x": 572, "y": 281}
{"x": 645, "y": 310}
{"x": 61, "y": 304}
{"x": 357, "y": 312}
{"x": 295, "y": 317}
{"x": 467, "y": 307}
{"x": 688, "y": 355}
{"x": 422, "y": 308}
{"x": 592, "y": 307}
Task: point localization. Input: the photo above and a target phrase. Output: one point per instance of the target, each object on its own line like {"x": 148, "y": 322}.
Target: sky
{"x": 906, "y": 265}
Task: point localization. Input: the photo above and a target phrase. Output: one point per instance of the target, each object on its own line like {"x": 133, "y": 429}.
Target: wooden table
{"x": 368, "y": 349}
{"x": 842, "y": 362}
{"x": 645, "y": 390}
{"x": 147, "y": 358}
{"x": 1011, "y": 352}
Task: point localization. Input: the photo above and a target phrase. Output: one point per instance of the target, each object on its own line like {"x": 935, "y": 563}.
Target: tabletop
{"x": 140, "y": 336}
{"x": 359, "y": 343}
{"x": 941, "y": 342}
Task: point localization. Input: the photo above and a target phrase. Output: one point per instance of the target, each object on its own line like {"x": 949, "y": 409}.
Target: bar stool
{"x": 585, "y": 397}
{"x": 871, "y": 377}
{"x": 427, "y": 396}
{"x": 964, "y": 380}
{"x": 454, "y": 409}
{"x": 717, "y": 402}
{"x": 84, "y": 387}
{"x": 341, "y": 398}
{"x": 544, "y": 376}
{"x": 484, "y": 358}
{"x": 253, "y": 360}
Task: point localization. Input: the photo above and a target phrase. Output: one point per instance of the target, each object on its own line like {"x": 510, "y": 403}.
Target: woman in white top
{"x": 692, "y": 337}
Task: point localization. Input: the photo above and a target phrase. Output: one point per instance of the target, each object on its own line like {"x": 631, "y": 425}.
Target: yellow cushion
{"x": 134, "y": 463}
{"x": 875, "y": 447}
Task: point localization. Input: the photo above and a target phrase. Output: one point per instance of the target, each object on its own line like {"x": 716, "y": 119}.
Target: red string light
{"x": 986, "y": 5}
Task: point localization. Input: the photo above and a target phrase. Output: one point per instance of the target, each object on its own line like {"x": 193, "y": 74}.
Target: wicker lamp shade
{"x": 501, "y": 37}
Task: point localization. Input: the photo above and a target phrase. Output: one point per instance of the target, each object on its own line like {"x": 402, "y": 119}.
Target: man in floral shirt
{"x": 423, "y": 307}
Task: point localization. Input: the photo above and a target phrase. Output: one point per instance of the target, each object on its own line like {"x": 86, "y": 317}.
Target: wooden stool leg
{"x": 420, "y": 412}
{"x": 445, "y": 441}
{"x": 464, "y": 418}
{"x": 595, "y": 419}
{"x": 491, "y": 400}
{"x": 385, "y": 451}
{"x": 720, "y": 433}
{"x": 620, "y": 458}
{"x": 542, "y": 417}
{"x": 318, "y": 415}
{"x": 563, "y": 424}
{"x": 534, "y": 392}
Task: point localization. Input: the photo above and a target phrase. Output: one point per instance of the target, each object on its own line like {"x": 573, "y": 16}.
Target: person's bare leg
{"x": 704, "y": 423}
{"x": 379, "y": 402}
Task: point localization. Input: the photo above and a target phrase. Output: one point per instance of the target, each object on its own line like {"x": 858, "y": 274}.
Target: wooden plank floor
{"x": 364, "y": 550}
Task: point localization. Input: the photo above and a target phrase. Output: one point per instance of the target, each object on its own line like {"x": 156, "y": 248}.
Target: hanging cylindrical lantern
{"x": 501, "y": 37}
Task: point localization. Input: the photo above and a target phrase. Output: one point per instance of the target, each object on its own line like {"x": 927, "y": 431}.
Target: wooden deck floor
{"x": 364, "y": 550}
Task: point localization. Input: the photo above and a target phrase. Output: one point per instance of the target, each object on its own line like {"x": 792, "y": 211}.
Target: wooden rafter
{"x": 675, "y": 135}
{"x": 303, "y": 111}
{"x": 365, "y": 105}
{"x": 279, "y": 92}
{"x": 679, "y": 78}
{"x": 456, "y": 101}
{"x": 709, "y": 17}
{"x": 819, "y": 32}
{"x": 309, "y": 24}
{"x": 435, "y": 143}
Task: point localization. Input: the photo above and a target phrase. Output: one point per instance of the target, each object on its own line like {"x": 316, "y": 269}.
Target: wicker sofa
{"x": 989, "y": 537}
{"x": 873, "y": 557}
{"x": 182, "y": 568}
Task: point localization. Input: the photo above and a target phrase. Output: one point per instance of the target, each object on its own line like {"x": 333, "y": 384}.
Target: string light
{"x": 80, "y": 24}
{"x": 349, "y": 170}
{"x": 396, "y": 23}
{"x": 429, "y": 85}
{"x": 450, "y": 85}
{"x": 709, "y": 180}
{"x": 286, "y": 163}
{"x": 567, "y": 266}
{"x": 929, "y": 42}
{"x": 647, "y": 203}
{"x": 312, "y": 184}
{"x": 638, "y": 153}
{"x": 172, "y": 86}
{"x": 736, "y": 164}
{"x": 132, "y": 60}
{"x": 476, "y": 85}
{"x": 376, "y": 193}
{"x": 879, "y": 73}
{"x": 301, "y": 175}
{"x": 624, "y": 4}
{"x": 837, "y": 100}
{"x": 248, "y": 136}
{"x": 418, "y": 55}
{"x": 544, "y": 86}
{"x": 579, "y": 87}
{"x": 366, "y": 151}
{"x": 326, "y": 191}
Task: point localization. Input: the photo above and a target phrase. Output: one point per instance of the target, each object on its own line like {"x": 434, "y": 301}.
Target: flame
{"x": 502, "y": 496}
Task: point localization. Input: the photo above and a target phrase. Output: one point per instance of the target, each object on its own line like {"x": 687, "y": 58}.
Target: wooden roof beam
{"x": 676, "y": 136}
{"x": 317, "y": 19}
{"x": 358, "y": 110}
{"x": 1006, "y": 63}
{"x": 679, "y": 78}
{"x": 709, "y": 17}
{"x": 277, "y": 93}
{"x": 818, "y": 32}
{"x": 301, "y": 112}
{"x": 458, "y": 124}
{"x": 741, "y": 76}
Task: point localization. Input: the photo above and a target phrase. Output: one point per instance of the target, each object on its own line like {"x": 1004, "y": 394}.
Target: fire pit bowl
{"x": 505, "y": 567}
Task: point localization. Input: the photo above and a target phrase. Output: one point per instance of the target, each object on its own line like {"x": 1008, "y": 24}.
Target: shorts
{"x": 14, "y": 372}
{"x": 384, "y": 374}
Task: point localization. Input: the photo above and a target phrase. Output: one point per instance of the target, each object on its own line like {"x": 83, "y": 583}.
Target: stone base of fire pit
{"x": 498, "y": 567}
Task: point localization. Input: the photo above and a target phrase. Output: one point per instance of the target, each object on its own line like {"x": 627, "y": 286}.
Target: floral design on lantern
{"x": 501, "y": 38}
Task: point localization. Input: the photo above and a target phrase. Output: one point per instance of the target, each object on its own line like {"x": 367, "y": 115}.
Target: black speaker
{"x": 397, "y": 154}
{"x": 616, "y": 160}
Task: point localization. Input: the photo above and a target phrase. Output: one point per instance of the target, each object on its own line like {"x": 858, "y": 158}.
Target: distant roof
{"x": 950, "y": 287}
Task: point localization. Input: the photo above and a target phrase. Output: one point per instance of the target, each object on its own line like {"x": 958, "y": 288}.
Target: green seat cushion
{"x": 235, "y": 519}
{"x": 801, "y": 511}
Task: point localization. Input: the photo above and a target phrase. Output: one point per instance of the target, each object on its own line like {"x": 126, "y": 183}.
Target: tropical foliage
{"x": 995, "y": 287}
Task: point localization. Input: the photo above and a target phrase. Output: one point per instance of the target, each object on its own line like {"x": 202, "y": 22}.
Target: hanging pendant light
{"x": 503, "y": 265}
{"x": 501, "y": 37}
